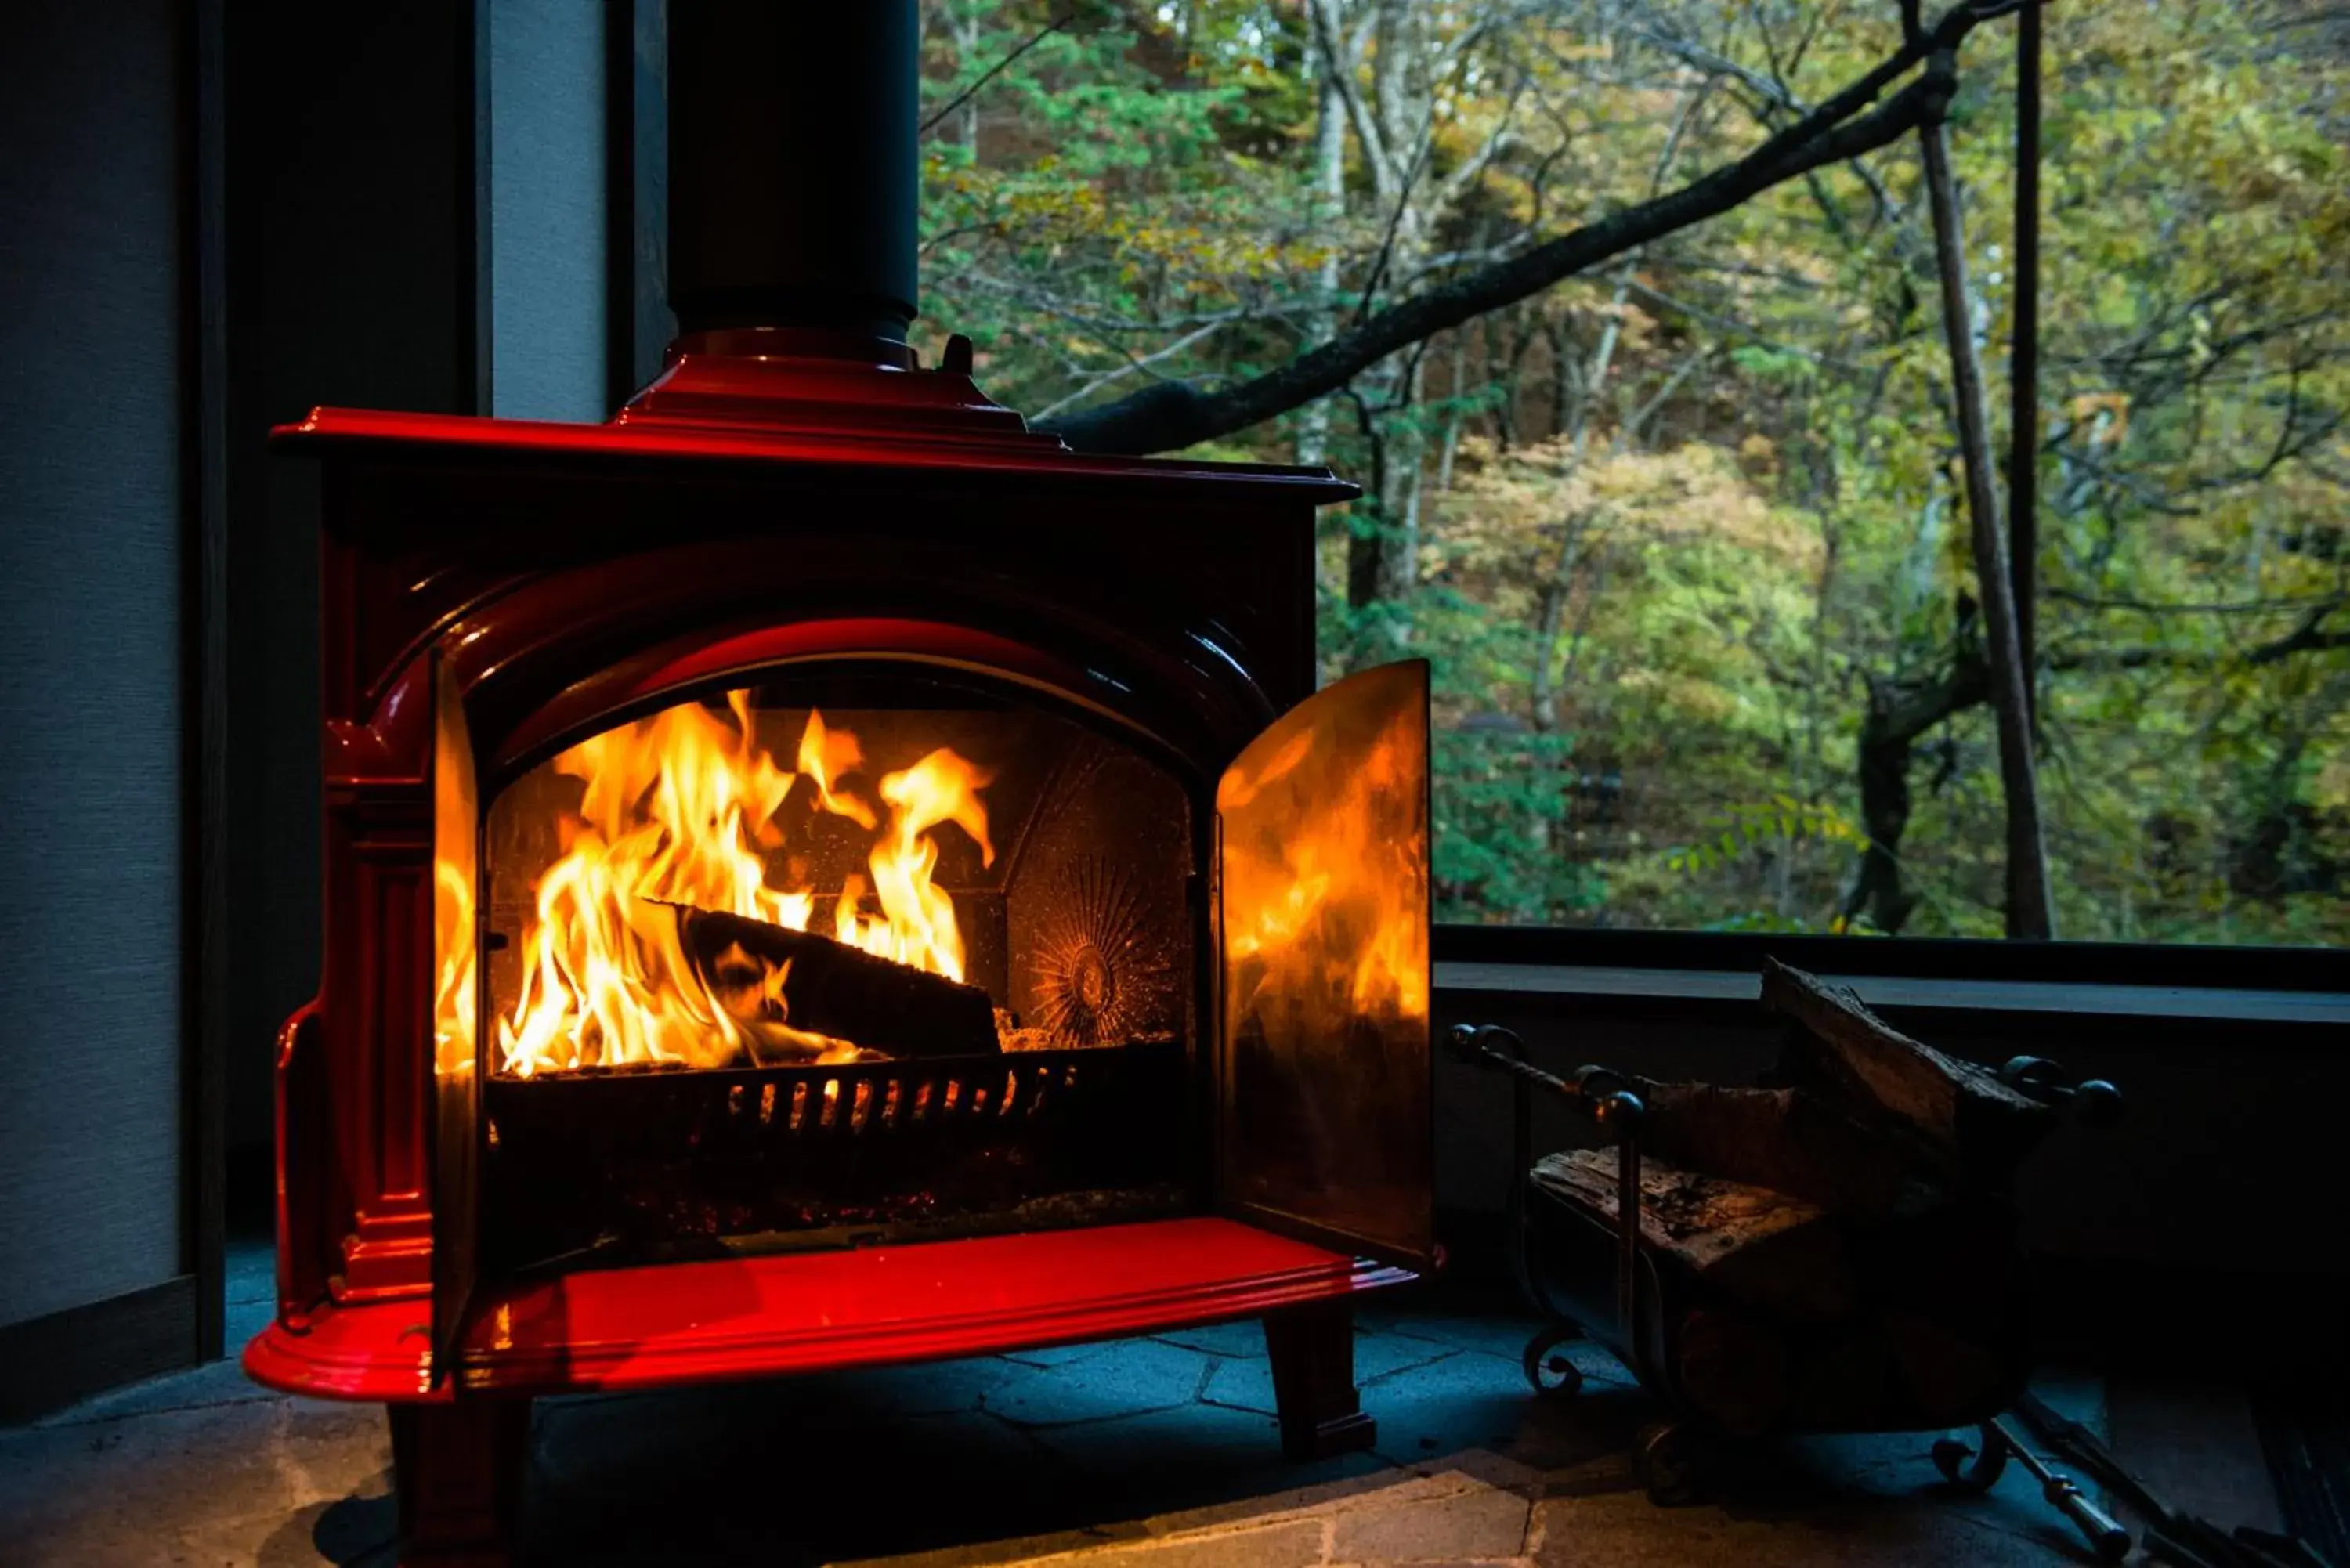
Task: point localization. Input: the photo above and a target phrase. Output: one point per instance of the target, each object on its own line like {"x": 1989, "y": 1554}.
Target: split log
{"x": 1733, "y": 1368}
{"x": 1956, "y": 1116}
{"x": 1781, "y": 1256}
{"x": 1949, "y": 1377}
{"x": 810, "y": 984}
{"x": 1846, "y": 1385}
{"x": 1789, "y": 1140}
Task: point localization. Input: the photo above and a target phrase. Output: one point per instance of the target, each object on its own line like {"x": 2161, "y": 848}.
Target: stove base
{"x": 1312, "y": 1349}
{"x": 458, "y": 1455}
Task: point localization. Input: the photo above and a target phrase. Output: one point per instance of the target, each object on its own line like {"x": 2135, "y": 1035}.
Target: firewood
{"x": 1949, "y": 1377}
{"x": 1957, "y": 1115}
{"x": 1962, "y": 1263}
{"x": 1844, "y": 1385}
{"x": 1733, "y": 1368}
{"x": 1780, "y": 1255}
{"x": 834, "y": 990}
{"x": 1791, "y": 1140}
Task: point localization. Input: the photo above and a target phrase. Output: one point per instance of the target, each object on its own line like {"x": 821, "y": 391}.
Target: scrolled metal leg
{"x": 1976, "y": 1469}
{"x": 1666, "y": 1460}
{"x": 1548, "y": 1367}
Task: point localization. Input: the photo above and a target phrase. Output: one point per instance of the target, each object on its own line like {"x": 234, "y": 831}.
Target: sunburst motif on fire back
{"x": 1099, "y": 953}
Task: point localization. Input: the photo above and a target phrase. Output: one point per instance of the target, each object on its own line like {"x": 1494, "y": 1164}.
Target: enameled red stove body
{"x": 776, "y": 500}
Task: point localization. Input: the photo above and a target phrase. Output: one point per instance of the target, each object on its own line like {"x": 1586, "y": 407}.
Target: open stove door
{"x": 458, "y": 1125}
{"x": 1324, "y": 1116}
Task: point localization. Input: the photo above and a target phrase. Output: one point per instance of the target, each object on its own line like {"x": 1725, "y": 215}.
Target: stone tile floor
{"x": 1096, "y": 1456}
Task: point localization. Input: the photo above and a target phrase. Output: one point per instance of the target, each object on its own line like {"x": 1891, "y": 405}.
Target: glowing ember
{"x": 680, "y": 811}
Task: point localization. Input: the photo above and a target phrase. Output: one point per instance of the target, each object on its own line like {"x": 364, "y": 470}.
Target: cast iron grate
{"x": 627, "y": 1166}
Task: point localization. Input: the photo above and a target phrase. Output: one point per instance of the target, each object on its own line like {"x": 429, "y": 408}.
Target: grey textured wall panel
{"x": 547, "y": 210}
{"x": 90, "y": 541}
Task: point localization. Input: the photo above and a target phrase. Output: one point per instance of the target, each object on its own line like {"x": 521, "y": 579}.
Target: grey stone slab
{"x": 1473, "y": 1402}
{"x": 1019, "y": 1549}
{"x": 1500, "y": 1327}
{"x": 1482, "y": 1522}
{"x": 2075, "y": 1395}
{"x": 1192, "y": 1458}
{"x": 244, "y": 1320}
{"x": 1241, "y": 1386}
{"x": 1135, "y": 1377}
{"x": 251, "y": 1266}
{"x": 1063, "y": 1355}
{"x": 214, "y": 1383}
{"x": 1369, "y": 1485}
{"x": 97, "y": 1494}
{"x": 1624, "y": 1529}
{"x": 1248, "y": 1385}
{"x": 2189, "y": 1437}
{"x": 1101, "y": 1454}
{"x": 1242, "y": 1339}
{"x": 1297, "y": 1543}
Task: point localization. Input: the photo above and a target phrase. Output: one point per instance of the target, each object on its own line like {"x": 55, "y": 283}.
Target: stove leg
{"x": 1313, "y": 1352}
{"x": 457, "y": 1470}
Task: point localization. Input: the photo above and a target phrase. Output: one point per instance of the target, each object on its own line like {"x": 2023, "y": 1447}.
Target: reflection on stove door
{"x": 1323, "y": 913}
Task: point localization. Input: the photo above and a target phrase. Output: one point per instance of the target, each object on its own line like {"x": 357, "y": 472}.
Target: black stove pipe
{"x": 792, "y": 164}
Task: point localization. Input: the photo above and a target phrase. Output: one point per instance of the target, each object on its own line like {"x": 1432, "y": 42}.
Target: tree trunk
{"x": 2024, "y": 356}
{"x": 1898, "y": 712}
{"x": 2030, "y": 912}
{"x": 1456, "y": 392}
{"x": 966, "y": 38}
{"x": 1330, "y": 201}
{"x": 1383, "y": 564}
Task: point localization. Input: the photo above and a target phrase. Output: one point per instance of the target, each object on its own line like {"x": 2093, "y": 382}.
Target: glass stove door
{"x": 457, "y": 1122}
{"x": 1324, "y": 1105}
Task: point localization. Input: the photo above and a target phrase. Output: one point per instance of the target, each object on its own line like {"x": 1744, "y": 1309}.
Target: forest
{"x": 1675, "y": 344}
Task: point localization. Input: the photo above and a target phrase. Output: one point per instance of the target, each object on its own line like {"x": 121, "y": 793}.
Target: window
{"x": 1661, "y": 427}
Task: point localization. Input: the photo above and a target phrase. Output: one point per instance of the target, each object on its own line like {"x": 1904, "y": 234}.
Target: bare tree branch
{"x": 989, "y": 75}
{"x": 2031, "y": 911}
{"x": 1171, "y": 414}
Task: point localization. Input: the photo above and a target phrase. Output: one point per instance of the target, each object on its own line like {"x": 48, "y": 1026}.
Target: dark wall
{"x": 94, "y": 139}
{"x": 548, "y": 208}
{"x": 418, "y": 220}
{"x": 355, "y": 190}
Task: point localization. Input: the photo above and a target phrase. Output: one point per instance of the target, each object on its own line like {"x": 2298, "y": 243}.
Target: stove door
{"x": 457, "y": 1125}
{"x": 1322, "y": 908}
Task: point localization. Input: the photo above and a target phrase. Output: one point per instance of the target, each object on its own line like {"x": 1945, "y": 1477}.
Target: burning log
{"x": 794, "y": 985}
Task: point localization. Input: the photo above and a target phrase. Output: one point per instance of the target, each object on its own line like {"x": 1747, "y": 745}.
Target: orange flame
{"x": 455, "y": 1019}
{"x": 1326, "y": 854}
{"x": 678, "y": 810}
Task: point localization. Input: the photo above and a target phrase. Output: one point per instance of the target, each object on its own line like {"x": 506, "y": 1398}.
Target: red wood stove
{"x": 818, "y": 874}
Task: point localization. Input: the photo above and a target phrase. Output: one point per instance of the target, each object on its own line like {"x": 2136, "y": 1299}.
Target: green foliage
{"x": 1665, "y": 527}
{"x": 1781, "y": 821}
